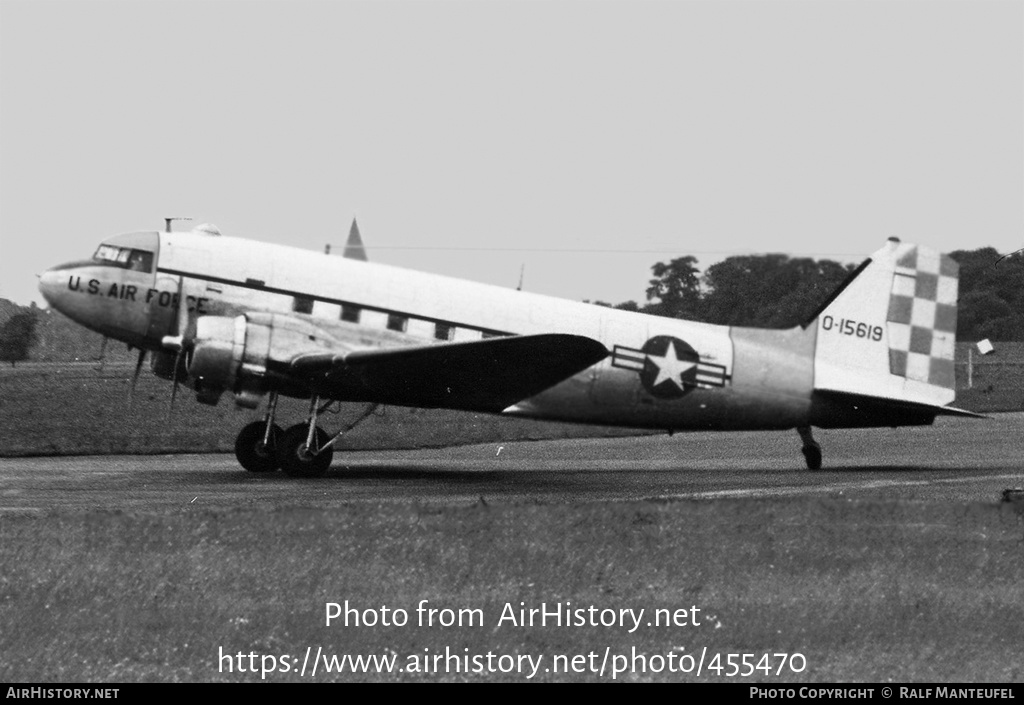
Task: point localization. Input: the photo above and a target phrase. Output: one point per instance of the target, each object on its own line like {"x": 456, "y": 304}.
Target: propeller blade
{"x": 181, "y": 323}
{"x": 103, "y": 352}
{"x": 181, "y": 328}
{"x": 174, "y": 389}
{"x": 135, "y": 378}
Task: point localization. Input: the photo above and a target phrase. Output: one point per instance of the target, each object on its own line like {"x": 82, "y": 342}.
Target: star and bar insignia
{"x": 669, "y": 367}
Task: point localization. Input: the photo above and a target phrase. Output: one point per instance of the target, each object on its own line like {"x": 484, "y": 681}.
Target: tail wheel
{"x": 813, "y": 457}
{"x": 296, "y": 459}
{"x": 250, "y": 450}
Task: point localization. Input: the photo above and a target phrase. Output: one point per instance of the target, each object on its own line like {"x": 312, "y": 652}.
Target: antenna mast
{"x": 168, "y": 221}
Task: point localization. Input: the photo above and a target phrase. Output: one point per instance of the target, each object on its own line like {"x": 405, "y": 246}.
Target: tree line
{"x": 46, "y": 335}
{"x": 778, "y": 291}
{"x": 17, "y": 336}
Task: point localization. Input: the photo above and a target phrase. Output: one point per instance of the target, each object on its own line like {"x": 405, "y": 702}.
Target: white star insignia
{"x": 670, "y": 367}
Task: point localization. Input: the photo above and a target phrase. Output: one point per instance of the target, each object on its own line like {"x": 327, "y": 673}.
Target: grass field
{"x": 864, "y": 592}
{"x": 995, "y": 382}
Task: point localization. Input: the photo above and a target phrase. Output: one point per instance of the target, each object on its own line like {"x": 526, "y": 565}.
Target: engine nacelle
{"x": 162, "y": 364}
{"x": 217, "y": 351}
{"x": 232, "y": 354}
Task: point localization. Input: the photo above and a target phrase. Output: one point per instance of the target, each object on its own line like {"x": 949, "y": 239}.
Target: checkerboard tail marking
{"x": 922, "y": 317}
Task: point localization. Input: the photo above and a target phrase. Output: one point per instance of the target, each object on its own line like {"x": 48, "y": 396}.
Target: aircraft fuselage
{"x": 660, "y": 372}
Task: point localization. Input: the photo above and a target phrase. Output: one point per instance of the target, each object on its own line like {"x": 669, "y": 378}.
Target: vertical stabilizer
{"x": 891, "y": 332}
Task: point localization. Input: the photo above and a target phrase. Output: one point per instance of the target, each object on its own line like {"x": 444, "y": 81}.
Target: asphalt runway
{"x": 957, "y": 460}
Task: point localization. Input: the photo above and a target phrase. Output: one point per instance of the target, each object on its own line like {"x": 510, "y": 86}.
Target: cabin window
{"x": 396, "y": 322}
{"x": 302, "y": 304}
{"x": 444, "y": 331}
{"x": 350, "y": 313}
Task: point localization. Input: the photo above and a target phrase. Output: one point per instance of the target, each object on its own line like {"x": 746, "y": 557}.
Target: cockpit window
{"x": 109, "y": 253}
{"x": 140, "y": 261}
{"x": 137, "y": 260}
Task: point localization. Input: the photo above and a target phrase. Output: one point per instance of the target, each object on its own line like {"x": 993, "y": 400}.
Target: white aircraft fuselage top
{"x": 660, "y": 372}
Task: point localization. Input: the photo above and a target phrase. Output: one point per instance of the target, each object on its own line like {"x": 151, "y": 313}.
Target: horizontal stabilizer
{"x": 483, "y": 375}
{"x": 830, "y": 409}
{"x": 954, "y": 411}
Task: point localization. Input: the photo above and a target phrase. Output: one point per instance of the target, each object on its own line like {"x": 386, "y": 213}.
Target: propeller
{"x": 135, "y": 378}
{"x": 178, "y": 341}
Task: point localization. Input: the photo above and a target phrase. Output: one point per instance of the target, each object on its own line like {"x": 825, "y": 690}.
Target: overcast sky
{"x": 584, "y": 140}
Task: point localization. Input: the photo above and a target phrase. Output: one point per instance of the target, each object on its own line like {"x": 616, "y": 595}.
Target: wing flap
{"x": 484, "y": 375}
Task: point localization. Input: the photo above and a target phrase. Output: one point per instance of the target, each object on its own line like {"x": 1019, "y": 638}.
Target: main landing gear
{"x": 256, "y": 445}
{"x": 811, "y": 449}
{"x": 303, "y": 450}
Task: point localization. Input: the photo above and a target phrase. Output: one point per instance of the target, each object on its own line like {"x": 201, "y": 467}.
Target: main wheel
{"x": 812, "y": 455}
{"x": 295, "y": 458}
{"x": 252, "y": 454}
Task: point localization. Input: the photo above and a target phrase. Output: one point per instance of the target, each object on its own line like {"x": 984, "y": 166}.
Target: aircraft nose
{"x": 51, "y": 283}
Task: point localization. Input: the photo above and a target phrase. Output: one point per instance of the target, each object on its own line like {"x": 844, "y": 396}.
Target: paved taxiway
{"x": 954, "y": 460}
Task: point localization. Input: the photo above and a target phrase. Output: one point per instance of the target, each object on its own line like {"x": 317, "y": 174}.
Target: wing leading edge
{"x": 483, "y": 375}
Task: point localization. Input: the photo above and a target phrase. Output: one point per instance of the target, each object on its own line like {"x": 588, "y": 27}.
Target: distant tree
{"x": 17, "y": 336}
{"x": 675, "y": 289}
{"x": 769, "y": 291}
{"x": 991, "y": 301}
{"x": 976, "y": 267}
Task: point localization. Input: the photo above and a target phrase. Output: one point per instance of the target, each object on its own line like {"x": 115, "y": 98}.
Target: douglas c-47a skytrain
{"x": 262, "y": 320}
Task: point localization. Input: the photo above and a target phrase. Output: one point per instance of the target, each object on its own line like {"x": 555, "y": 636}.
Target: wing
{"x": 483, "y": 375}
